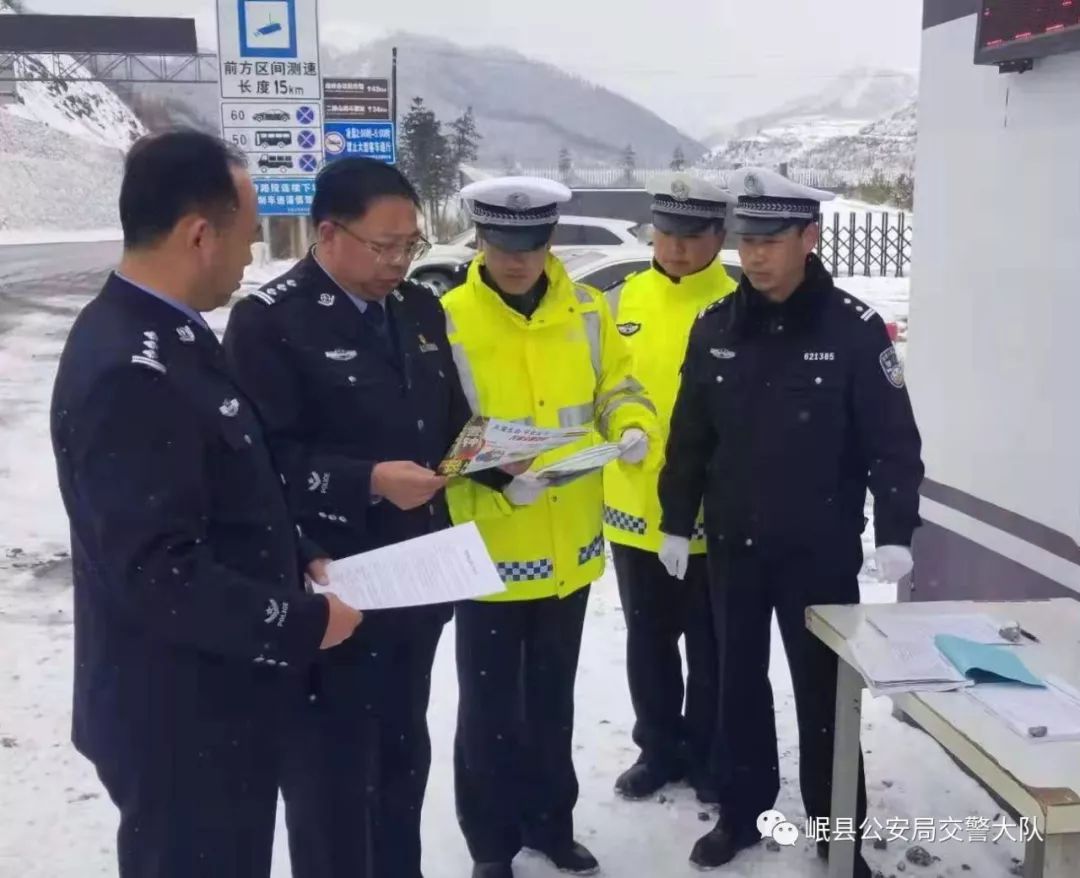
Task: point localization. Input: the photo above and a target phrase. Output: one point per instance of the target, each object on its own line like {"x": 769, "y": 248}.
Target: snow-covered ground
{"x": 57, "y": 823}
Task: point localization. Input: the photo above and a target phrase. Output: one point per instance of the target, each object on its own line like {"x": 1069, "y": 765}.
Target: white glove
{"x": 893, "y": 563}
{"x": 633, "y": 445}
{"x": 525, "y": 489}
{"x": 675, "y": 555}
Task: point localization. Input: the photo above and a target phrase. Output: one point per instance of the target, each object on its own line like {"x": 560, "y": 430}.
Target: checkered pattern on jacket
{"x": 625, "y": 521}
{"x": 525, "y": 571}
{"x": 594, "y": 550}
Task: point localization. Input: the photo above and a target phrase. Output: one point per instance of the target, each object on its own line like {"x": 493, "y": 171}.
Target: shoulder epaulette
{"x": 715, "y": 306}
{"x": 272, "y": 292}
{"x": 857, "y": 309}
{"x": 148, "y": 356}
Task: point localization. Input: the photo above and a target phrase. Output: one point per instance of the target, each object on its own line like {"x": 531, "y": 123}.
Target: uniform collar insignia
{"x": 722, "y": 353}
{"x": 186, "y": 334}
{"x": 326, "y": 299}
{"x": 230, "y": 408}
{"x": 340, "y": 355}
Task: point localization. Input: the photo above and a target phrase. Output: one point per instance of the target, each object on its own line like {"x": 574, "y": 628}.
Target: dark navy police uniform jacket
{"x": 337, "y": 398}
{"x": 786, "y": 414}
{"x": 191, "y": 620}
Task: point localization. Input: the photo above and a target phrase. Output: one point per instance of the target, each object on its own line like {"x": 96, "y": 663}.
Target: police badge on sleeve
{"x": 892, "y": 367}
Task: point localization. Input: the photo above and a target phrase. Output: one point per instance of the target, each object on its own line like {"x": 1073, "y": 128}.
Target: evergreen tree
{"x": 678, "y": 159}
{"x": 465, "y": 139}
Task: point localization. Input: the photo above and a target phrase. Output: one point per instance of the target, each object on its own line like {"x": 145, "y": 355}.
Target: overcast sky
{"x": 698, "y": 63}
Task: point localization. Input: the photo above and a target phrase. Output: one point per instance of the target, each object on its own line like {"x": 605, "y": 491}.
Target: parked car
{"x": 443, "y": 262}
{"x": 607, "y": 268}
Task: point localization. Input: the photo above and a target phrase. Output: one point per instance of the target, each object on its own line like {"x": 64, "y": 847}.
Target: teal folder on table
{"x": 983, "y": 662}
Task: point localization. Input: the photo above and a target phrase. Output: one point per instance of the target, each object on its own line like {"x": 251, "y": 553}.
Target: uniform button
{"x": 719, "y": 379}
{"x": 817, "y": 380}
{"x": 352, "y": 379}
{"x": 420, "y": 425}
{"x": 749, "y": 542}
{"x": 343, "y": 520}
{"x": 283, "y": 664}
{"x": 541, "y": 403}
{"x": 271, "y": 662}
{"x": 431, "y": 508}
{"x": 247, "y": 438}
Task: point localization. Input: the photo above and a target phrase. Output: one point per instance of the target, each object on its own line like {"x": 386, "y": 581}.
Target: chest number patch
{"x": 814, "y": 357}
{"x": 629, "y": 328}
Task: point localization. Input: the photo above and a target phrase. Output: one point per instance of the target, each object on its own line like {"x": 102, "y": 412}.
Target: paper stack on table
{"x": 978, "y": 627}
{"x": 1051, "y": 713}
{"x": 890, "y": 666}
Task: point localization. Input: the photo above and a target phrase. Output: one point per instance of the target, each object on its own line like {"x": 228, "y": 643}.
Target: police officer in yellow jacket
{"x": 531, "y": 346}
{"x": 654, "y": 312}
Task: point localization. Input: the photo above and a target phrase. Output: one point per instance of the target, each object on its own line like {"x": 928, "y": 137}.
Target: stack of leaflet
{"x": 892, "y": 666}
{"x": 913, "y": 652}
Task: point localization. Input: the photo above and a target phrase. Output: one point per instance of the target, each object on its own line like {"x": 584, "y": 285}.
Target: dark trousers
{"x": 746, "y": 588}
{"x": 514, "y": 779}
{"x": 202, "y": 799}
{"x": 354, "y": 798}
{"x": 659, "y": 610}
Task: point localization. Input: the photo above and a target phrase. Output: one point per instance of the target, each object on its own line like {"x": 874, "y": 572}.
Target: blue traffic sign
{"x": 305, "y": 115}
{"x": 306, "y": 140}
{"x": 373, "y": 140}
{"x": 267, "y": 28}
{"x": 309, "y": 163}
{"x": 285, "y": 196}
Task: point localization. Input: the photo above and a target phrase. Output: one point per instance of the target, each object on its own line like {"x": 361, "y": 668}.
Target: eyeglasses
{"x": 391, "y": 253}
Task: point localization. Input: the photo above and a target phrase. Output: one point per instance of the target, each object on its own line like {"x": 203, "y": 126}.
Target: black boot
{"x": 643, "y": 779}
{"x": 721, "y": 845}
{"x": 572, "y": 858}
{"x": 706, "y": 791}
{"x": 492, "y": 870}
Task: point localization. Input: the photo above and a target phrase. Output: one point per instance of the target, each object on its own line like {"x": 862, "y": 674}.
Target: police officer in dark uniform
{"x": 792, "y": 403}
{"x": 194, "y": 634}
{"x": 351, "y": 370}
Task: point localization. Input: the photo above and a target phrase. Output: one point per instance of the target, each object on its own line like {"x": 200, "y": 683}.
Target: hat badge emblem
{"x": 518, "y": 201}
{"x": 680, "y": 190}
{"x": 753, "y": 186}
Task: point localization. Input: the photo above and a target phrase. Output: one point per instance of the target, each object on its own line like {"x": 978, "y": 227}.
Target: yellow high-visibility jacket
{"x": 654, "y": 314}
{"x": 566, "y": 366}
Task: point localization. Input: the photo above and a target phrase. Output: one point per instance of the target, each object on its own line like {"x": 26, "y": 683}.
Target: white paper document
{"x": 1049, "y": 714}
{"x": 450, "y": 565}
{"x": 976, "y": 627}
{"x": 890, "y": 666}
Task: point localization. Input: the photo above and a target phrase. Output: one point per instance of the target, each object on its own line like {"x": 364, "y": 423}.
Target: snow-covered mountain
{"x": 61, "y": 153}
{"x": 862, "y": 122}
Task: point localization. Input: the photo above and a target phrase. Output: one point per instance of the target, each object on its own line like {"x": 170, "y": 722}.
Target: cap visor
{"x": 762, "y": 227}
{"x": 517, "y": 240}
{"x": 680, "y": 225}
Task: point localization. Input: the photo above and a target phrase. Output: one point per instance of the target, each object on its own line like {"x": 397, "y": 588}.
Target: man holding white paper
{"x": 351, "y": 371}
{"x": 532, "y": 347}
